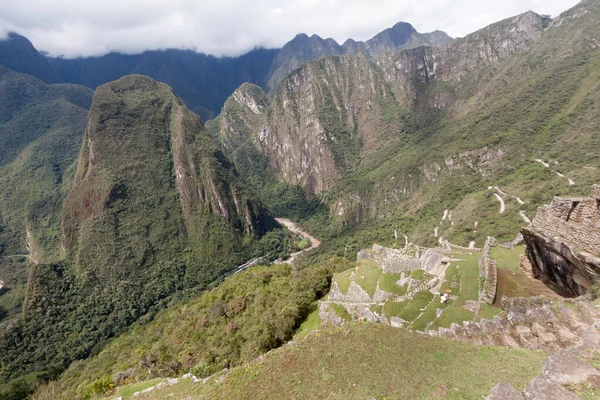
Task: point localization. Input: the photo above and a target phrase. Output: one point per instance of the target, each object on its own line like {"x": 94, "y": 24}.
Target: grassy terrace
{"x": 465, "y": 276}
{"x": 507, "y": 258}
{"x": 367, "y": 275}
{"x": 387, "y": 283}
{"x": 370, "y": 361}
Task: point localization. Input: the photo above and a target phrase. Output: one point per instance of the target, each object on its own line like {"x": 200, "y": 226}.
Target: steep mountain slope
{"x": 155, "y": 208}
{"x": 18, "y": 54}
{"x": 40, "y": 134}
{"x": 398, "y": 139}
{"x": 304, "y": 48}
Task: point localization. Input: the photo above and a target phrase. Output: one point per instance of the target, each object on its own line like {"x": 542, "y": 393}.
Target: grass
{"x": 421, "y": 275}
{"x": 413, "y": 309}
{"x": 507, "y": 258}
{"x": 488, "y": 312}
{"x": 312, "y": 321}
{"x": 129, "y": 390}
{"x": 429, "y": 315}
{"x": 376, "y": 308}
{"x": 387, "y": 283}
{"x": 343, "y": 280}
{"x": 367, "y": 275}
{"x": 341, "y": 311}
{"x": 467, "y": 272}
{"x": 371, "y": 361}
{"x": 393, "y": 308}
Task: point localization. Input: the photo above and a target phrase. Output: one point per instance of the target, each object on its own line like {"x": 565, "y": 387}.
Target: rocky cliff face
{"x": 407, "y": 130}
{"x": 563, "y": 243}
{"x": 149, "y": 179}
{"x": 329, "y": 114}
{"x": 304, "y": 48}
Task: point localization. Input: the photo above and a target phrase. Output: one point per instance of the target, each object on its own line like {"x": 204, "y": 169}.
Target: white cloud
{"x": 75, "y": 28}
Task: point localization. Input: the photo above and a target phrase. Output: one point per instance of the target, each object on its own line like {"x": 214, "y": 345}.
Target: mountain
{"x": 40, "y": 133}
{"x": 155, "y": 208}
{"x": 204, "y": 82}
{"x": 41, "y": 127}
{"x": 304, "y": 48}
{"x": 18, "y": 54}
{"x": 396, "y": 141}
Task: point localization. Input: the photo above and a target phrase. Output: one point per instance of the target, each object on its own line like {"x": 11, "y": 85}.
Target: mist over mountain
{"x": 204, "y": 82}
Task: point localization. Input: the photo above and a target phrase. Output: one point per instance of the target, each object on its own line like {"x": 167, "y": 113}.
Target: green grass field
{"x": 365, "y": 361}
{"x": 467, "y": 273}
{"x": 387, "y": 283}
{"x": 419, "y": 301}
{"x": 507, "y": 258}
{"x": 367, "y": 275}
{"x": 311, "y": 323}
{"x": 394, "y": 309}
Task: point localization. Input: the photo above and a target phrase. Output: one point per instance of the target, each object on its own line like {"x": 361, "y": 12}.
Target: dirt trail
{"x": 314, "y": 242}
{"x": 502, "y": 205}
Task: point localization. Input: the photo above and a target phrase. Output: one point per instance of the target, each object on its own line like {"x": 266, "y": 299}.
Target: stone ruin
{"x": 357, "y": 302}
{"x": 488, "y": 274}
{"x": 563, "y": 243}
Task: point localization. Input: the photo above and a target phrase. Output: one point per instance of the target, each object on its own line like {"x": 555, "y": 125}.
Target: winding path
{"x": 314, "y": 242}
{"x": 502, "y": 205}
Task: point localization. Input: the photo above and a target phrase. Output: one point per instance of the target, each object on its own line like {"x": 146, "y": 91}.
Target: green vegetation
{"x": 341, "y": 311}
{"x": 128, "y": 390}
{"x": 466, "y": 275}
{"x": 343, "y": 280}
{"x": 367, "y": 275}
{"x": 247, "y": 315}
{"x": 393, "y": 308}
{"x": 421, "y": 275}
{"x": 387, "y": 283}
{"x": 416, "y": 305}
{"x": 372, "y": 361}
{"x": 507, "y": 258}
{"x": 311, "y": 323}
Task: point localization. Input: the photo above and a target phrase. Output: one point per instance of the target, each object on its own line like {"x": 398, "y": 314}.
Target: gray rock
{"x": 502, "y": 391}
{"x": 566, "y": 366}
{"x": 544, "y": 389}
{"x": 397, "y": 322}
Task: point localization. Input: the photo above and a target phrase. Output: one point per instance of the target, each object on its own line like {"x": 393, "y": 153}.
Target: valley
{"x": 408, "y": 216}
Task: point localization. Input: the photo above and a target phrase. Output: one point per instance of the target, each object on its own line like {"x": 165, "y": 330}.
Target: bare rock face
{"x": 563, "y": 242}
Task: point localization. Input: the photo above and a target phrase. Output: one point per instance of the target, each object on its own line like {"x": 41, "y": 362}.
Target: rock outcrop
{"x": 537, "y": 324}
{"x": 570, "y": 366}
{"x": 563, "y": 243}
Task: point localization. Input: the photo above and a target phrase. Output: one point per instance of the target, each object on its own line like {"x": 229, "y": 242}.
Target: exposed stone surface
{"x": 563, "y": 242}
{"x": 489, "y": 272}
{"x": 566, "y": 366}
{"x": 528, "y": 323}
{"x": 502, "y": 391}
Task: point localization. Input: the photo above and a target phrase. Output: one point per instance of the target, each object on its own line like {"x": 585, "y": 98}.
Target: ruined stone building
{"x": 563, "y": 242}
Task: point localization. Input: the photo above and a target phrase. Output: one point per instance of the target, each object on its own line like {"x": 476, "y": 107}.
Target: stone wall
{"x": 563, "y": 242}
{"x": 391, "y": 261}
{"x": 489, "y": 272}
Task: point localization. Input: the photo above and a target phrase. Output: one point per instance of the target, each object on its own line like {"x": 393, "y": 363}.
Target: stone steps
{"x": 563, "y": 367}
{"x": 527, "y": 323}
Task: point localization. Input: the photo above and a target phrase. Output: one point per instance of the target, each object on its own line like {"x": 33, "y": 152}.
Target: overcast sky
{"x": 73, "y": 28}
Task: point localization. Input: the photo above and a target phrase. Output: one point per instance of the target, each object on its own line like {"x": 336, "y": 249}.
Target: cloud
{"x": 74, "y": 28}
